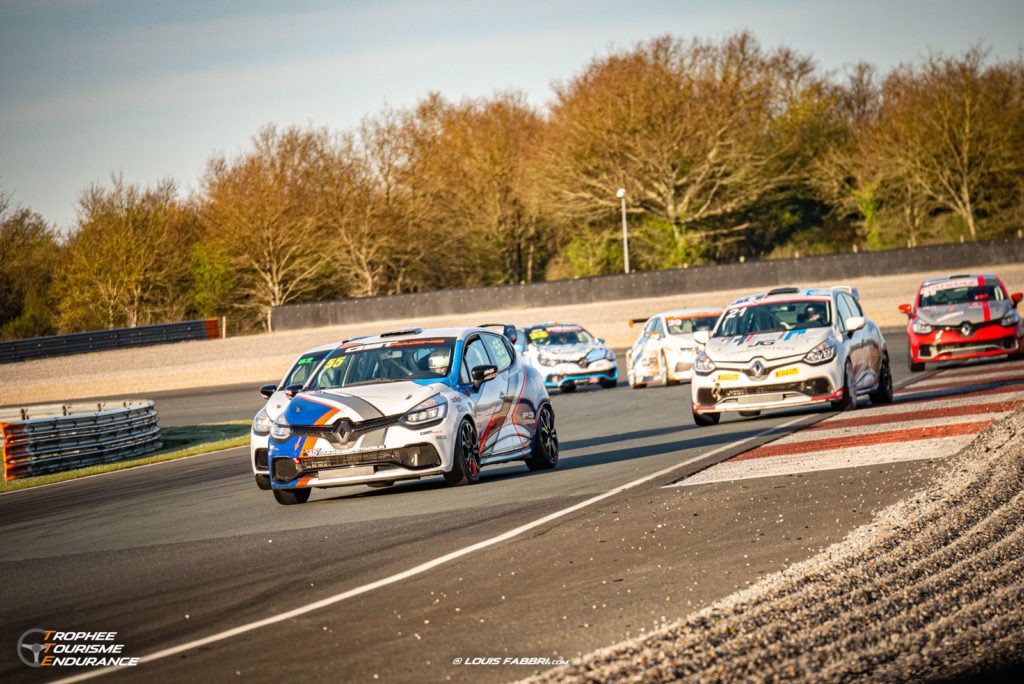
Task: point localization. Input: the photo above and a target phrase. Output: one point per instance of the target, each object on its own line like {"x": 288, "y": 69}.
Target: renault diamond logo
{"x": 757, "y": 369}
{"x": 344, "y": 431}
{"x": 966, "y": 329}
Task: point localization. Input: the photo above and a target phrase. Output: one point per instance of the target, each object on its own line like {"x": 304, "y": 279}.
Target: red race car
{"x": 963, "y": 316}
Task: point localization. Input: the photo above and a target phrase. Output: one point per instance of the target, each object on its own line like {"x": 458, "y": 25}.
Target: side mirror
{"x": 1015, "y": 298}
{"x": 482, "y": 374}
{"x": 702, "y": 337}
{"x": 292, "y": 390}
{"x": 855, "y": 323}
{"x": 268, "y": 390}
{"x": 907, "y": 309}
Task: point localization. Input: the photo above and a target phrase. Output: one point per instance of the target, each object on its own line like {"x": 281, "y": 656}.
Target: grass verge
{"x": 178, "y": 442}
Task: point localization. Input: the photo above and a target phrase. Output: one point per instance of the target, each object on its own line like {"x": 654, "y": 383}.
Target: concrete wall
{"x": 647, "y": 284}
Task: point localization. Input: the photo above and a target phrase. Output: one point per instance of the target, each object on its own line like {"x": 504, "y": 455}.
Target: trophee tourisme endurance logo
{"x": 55, "y": 648}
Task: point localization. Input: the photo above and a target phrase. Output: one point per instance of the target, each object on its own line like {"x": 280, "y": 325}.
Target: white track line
{"x": 419, "y": 569}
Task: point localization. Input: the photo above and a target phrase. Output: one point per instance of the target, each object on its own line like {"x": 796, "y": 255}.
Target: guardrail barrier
{"x": 38, "y": 440}
{"x": 118, "y": 338}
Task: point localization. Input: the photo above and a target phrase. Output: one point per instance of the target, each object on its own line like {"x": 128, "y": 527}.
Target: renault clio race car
{"x": 566, "y": 356}
{"x": 963, "y": 317}
{"x": 410, "y": 404}
{"x": 278, "y": 397}
{"x": 665, "y": 350}
{"x": 790, "y": 347}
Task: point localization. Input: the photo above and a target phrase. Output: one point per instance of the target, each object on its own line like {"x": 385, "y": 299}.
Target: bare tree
{"x": 262, "y": 209}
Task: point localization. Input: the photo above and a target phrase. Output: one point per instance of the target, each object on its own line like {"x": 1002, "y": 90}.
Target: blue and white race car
{"x": 410, "y": 404}
{"x": 566, "y": 356}
{"x": 278, "y": 397}
{"x": 790, "y": 347}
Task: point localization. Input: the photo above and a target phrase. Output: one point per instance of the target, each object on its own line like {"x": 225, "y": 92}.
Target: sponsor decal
{"x": 787, "y": 371}
{"x": 726, "y": 377}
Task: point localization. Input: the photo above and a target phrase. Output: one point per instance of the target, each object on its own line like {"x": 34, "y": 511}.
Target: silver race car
{"x": 790, "y": 347}
{"x": 567, "y": 356}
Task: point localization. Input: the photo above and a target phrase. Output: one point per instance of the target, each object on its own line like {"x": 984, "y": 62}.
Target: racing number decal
{"x": 334, "y": 363}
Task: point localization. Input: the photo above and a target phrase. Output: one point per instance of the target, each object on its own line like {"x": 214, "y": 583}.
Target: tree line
{"x": 726, "y": 150}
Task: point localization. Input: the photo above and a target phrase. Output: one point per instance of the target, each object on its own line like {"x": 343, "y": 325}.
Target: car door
{"x": 505, "y": 433}
{"x": 859, "y": 343}
{"x": 488, "y": 399}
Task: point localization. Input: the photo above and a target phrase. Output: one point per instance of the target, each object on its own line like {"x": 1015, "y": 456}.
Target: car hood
{"x": 955, "y": 314}
{"x": 682, "y": 339}
{"x": 569, "y": 352}
{"x": 771, "y": 345}
{"x": 358, "y": 404}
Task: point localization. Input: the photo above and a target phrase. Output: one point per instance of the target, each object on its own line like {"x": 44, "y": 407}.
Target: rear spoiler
{"x": 634, "y": 321}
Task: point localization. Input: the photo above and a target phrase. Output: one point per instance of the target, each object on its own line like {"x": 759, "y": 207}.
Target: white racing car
{"x": 567, "y": 356}
{"x": 410, "y": 404}
{"x": 790, "y": 347}
{"x": 665, "y": 350}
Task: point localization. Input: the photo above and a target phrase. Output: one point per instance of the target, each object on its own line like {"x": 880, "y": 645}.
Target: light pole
{"x": 621, "y": 194}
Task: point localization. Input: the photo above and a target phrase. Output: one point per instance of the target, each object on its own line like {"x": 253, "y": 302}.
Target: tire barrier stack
{"x": 39, "y": 440}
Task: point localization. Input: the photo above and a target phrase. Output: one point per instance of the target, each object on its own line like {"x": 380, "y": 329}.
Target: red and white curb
{"x": 931, "y": 419}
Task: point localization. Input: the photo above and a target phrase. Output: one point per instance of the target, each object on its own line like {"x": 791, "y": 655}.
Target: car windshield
{"x": 775, "y": 317}
{"x": 546, "y": 337}
{"x": 682, "y": 326}
{"x": 959, "y": 292}
{"x": 385, "y": 362}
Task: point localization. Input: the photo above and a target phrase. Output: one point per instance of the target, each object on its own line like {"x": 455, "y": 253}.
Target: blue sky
{"x": 152, "y": 89}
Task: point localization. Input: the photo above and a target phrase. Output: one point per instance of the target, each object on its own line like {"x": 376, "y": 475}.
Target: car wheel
{"x": 705, "y": 419}
{"x": 290, "y": 497}
{"x": 914, "y": 367}
{"x": 849, "y": 400}
{"x": 263, "y": 482}
{"x": 567, "y": 388}
{"x": 466, "y": 459}
{"x": 608, "y": 384}
{"x": 663, "y": 371}
{"x": 631, "y": 379}
{"x": 544, "y": 454}
{"x": 883, "y": 395}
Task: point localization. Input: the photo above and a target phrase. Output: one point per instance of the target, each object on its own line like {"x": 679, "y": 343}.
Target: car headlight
{"x": 921, "y": 328}
{"x": 261, "y": 424}
{"x": 281, "y": 429}
{"x": 1009, "y": 319}
{"x": 427, "y": 412}
{"x": 546, "y": 360}
{"x": 609, "y": 354}
{"x": 823, "y": 353}
{"x": 704, "y": 365}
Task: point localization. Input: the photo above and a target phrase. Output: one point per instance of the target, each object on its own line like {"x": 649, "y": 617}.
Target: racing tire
{"x": 706, "y": 419}
{"x": 663, "y": 372}
{"x": 544, "y": 454}
{"x": 883, "y": 394}
{"x": 567, "y": 388}
{"x": 263, "y": 482}
{"x": 290, "y": 497}
{"x": 849, "y": 400}
{"x": 608, "y": 384}
{"x": 914, "y": 367}
{"x": 466, "y": 459}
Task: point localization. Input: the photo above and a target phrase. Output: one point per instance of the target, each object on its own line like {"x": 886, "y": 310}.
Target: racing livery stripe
{"x": 362, "y": 408}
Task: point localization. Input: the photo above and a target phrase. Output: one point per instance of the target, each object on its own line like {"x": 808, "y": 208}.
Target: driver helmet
{"x": 438, "y": 360}
{"x": 813, "y": 312}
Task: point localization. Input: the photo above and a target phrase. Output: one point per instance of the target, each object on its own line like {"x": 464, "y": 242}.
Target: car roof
{"x": 691, "y": 312}
{"x": 987, "y": 277}
{"x": 418, "y": 333}
{"x": 788, "y": 293}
